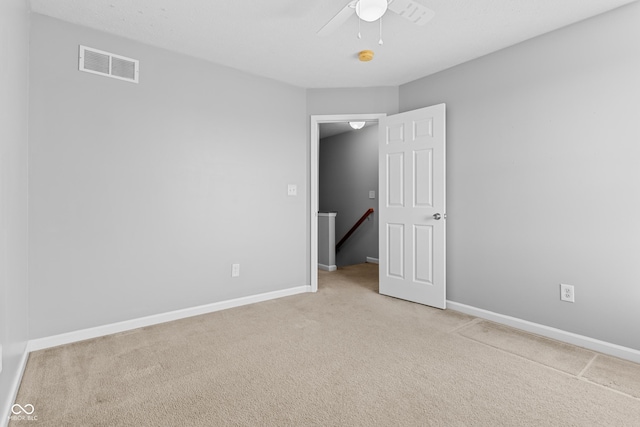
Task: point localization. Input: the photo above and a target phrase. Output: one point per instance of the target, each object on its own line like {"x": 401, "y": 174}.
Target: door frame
{"x": 314, "y": 184}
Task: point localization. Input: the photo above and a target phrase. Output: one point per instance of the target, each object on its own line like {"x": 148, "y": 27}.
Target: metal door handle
{"x": 437, "y": 216}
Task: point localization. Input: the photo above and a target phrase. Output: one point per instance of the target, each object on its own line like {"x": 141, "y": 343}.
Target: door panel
{"x": 395, "y": 249}
{"x": 395, "y": 180}
{"x": 412, "y": 209}
{"x": 423, "y": 250}
{"x": 423, "y": 182}
{"x": 395, "y": 133}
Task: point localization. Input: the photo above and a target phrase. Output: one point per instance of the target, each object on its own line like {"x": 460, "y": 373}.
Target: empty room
{"x": 171, "y": 206}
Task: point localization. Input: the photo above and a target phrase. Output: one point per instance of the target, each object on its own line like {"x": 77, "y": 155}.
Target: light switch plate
{"x": 372, "y": 194}
{"x": 292, "y": 190}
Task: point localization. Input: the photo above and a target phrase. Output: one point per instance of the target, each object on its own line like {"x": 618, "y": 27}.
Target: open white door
{"x": 412, "y": 206}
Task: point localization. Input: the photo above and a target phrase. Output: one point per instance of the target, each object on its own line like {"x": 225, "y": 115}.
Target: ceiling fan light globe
{"x": 371, "y": 10}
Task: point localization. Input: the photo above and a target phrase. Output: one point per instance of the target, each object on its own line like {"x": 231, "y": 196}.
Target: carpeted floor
{"x": 345, "y": 356}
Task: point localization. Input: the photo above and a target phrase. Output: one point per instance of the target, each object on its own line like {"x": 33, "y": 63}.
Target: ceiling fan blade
{"x": 412, "y": 10}
{"x": 338, "y": 20}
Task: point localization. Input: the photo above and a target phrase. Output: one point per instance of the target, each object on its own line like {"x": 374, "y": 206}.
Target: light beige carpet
{"x": 345, "y": 356}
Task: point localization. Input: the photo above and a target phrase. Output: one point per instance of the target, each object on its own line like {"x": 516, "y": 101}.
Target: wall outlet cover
{"x": 567, "y": 293}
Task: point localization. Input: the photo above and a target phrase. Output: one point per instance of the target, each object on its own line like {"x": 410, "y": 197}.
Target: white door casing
{"x": 316, "y": 121}
{"x": 412, "y": 206}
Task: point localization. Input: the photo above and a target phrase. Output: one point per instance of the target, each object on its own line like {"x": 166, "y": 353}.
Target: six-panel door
{"x": 412, "y": 206}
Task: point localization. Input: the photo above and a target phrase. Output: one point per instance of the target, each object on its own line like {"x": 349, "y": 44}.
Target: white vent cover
{"x": 108, "y": 64}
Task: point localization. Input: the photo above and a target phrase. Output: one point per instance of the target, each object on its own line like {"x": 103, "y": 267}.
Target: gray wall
{"x": 142, "y": 196}
{"x": 352, "y": 100}
{"x": 348, "y": 171}
{"x": 543, "y": 177}
{"x": 14, "y": 66}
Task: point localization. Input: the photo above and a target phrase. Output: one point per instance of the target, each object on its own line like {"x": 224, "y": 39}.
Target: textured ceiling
{"x": 277, "y": 38}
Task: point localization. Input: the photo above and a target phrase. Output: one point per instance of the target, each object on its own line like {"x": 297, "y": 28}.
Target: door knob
{"x": 437, "y": 216}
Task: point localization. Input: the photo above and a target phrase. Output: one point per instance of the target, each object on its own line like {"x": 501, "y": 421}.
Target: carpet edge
{"x": 127, "y": 325}
{"x": 549, "y": 332}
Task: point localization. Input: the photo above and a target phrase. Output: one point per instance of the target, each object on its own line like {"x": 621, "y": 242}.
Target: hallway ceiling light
{"x": 357, "y": 125}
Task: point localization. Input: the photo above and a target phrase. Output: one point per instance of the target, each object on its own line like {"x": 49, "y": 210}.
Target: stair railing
{"x": 354, "y": 228}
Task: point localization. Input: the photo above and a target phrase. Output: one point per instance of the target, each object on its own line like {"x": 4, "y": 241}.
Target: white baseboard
{"x": 327, "y": 267}
{"x": 372, "y": 260}
{"x": 127, "y": 325}
{"x": 549, "y": 332}
{"x": 6, "y": 402}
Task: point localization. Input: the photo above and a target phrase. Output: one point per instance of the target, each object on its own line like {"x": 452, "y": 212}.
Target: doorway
{"x": 316, "y": 121}
{"x": 412, "y": 185}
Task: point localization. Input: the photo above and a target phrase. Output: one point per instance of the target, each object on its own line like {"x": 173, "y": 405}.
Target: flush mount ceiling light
{"x": 356, "y": 125}
{"x": 371, "y": 10}
{"x": 365, "y": 55}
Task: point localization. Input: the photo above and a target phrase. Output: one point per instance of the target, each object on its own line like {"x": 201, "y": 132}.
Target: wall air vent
{"x": 108, "y": 64}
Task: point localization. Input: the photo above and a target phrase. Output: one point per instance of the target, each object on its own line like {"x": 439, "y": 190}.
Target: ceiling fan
{"x": 372, "y": 10}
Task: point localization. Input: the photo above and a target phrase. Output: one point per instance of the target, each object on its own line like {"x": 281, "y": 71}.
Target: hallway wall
{"x": 348, "y": 171}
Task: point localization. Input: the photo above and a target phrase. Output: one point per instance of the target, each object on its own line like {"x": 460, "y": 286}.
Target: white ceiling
{"x": 277, "y": 38}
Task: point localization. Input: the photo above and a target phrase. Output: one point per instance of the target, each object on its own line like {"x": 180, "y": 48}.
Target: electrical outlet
{"x": 292, "y": 190}
{"x": 235, "y": 270}
{"x": 567, "y": 293}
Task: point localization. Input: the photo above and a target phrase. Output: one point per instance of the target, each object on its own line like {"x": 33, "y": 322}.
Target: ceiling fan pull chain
{"x": 380, "y": 42}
